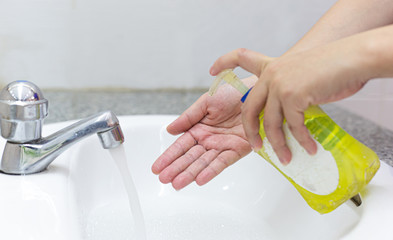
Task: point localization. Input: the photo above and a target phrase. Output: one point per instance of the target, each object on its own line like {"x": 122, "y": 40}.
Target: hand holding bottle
{"x": 288, "y": 85}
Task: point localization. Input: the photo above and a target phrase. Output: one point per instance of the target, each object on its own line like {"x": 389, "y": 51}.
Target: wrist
{"x": 366, "y": 55}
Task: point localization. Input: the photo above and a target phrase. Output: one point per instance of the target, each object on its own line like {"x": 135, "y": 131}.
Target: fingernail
{"x": 312, "y": 150}
{"x": 213, "y": 72}
{"x": 284, "y": 160}
{"x": 256, "y": 145}
{"x": 256, "y": 149}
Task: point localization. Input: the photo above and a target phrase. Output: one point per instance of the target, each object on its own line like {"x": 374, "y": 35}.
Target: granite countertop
{"x": 69, "y": 105}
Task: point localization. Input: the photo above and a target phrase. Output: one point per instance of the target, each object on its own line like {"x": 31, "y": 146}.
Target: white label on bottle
{"x": 316, "y": 173}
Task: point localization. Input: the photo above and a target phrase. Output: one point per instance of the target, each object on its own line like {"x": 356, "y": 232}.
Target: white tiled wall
{"x": 373, "y": 102}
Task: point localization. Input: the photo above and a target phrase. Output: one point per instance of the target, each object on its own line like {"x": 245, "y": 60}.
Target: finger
{"x": 295, "y": 121}
{"x": 250, "y": 61}
{"x": 190, "y": 117}
{"x": 251, "y": 109}
{"x": 273, "y": 120}
{"x": 176, "y": 150}
{"x": 179, "y": 165}
{"x": 222, "y": 161}
{"x": 189, "y": 175}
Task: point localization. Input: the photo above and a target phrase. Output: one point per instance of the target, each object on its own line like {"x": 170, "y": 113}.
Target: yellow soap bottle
{"x": 356, "y": 163}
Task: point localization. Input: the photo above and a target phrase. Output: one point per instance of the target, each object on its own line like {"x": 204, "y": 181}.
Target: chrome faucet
{"x": 22, "y": 111}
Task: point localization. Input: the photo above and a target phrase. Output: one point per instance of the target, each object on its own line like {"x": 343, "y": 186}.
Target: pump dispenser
{"x": 338, "y": 172}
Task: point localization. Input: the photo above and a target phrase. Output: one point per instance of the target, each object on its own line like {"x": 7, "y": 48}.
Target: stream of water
{"x": 119, "y": 156}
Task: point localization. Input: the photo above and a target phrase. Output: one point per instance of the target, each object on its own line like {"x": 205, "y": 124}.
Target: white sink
{"x": 81, "y": 196}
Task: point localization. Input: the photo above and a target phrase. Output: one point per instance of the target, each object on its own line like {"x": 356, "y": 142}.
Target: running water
{"x": 119, "y": 156}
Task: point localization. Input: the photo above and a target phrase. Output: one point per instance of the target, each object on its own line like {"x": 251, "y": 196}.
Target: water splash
{"x": 119, "y": 156}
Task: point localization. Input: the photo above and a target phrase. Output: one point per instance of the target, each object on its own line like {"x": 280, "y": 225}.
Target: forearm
{"x": 365, "y": 55}
{"x": 345, "y": 18}
{"x": 379, "y": 44}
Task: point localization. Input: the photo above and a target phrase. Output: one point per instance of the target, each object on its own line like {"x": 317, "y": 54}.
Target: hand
{"x": 288, "y": 85}
{"x": 213, "y": 139}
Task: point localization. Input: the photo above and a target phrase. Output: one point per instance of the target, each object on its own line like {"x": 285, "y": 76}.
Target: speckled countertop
{"x": 68, "y": 105}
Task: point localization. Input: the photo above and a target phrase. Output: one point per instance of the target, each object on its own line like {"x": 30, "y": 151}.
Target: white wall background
{"x": 141, "y": 43}
{"x": 145, "y": 44}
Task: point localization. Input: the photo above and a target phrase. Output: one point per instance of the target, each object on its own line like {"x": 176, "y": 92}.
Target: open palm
{"x": 213, "y": 139}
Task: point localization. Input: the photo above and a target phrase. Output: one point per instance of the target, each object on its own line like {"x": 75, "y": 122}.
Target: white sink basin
{"x": 81, "y": 196}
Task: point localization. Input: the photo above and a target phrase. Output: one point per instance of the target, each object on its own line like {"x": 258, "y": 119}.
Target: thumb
{"x": 250, "y": 61}
{"x": 189, "y": 117}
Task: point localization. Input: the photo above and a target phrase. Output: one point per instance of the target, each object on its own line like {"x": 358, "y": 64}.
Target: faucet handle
{"x": 22, "y": 111}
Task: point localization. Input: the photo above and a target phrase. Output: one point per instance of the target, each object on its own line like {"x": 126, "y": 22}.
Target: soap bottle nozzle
{"x": 230, "y": 77}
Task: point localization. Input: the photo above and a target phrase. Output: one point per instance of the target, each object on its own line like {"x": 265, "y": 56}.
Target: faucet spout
{"x": 34, "y": 156}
